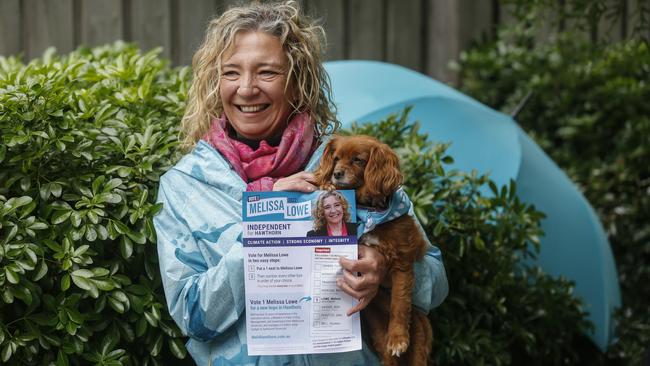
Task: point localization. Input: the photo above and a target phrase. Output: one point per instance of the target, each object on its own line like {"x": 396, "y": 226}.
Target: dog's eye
{"x": 359, "y": 161}
{"x": 336, "y": 158}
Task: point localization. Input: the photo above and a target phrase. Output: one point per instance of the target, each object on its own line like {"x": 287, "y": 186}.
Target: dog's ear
{"x": 324, "y": 171}
{"x": 382, "y": 175}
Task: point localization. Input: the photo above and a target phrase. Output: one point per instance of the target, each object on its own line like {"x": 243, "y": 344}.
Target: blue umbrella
{"x": 575, "y": 245}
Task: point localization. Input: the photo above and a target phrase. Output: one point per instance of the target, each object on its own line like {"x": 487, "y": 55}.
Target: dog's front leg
{"x": 400, "y": 311}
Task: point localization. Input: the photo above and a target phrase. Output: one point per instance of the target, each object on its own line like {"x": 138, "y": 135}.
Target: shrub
{"x": 84, "y": 140}
{"x": 589, "y": 110}
{"x": 499, "y": 310}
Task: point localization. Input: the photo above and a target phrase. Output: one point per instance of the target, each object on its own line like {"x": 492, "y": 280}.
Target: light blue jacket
{"x": 200, "y": 251}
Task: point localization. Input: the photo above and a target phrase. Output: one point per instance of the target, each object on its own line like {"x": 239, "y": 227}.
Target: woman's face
{"x": 253, "y": 75}
{"x": 333, "y": 210}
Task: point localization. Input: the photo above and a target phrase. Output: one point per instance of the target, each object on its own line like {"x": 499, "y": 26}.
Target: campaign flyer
{"x": 292, "y": 245}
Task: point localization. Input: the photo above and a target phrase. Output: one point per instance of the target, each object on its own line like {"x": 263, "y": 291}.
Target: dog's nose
{"x": 338, "y": 174}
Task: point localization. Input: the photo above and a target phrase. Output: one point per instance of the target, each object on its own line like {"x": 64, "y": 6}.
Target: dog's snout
{"x": 338, "y": 174}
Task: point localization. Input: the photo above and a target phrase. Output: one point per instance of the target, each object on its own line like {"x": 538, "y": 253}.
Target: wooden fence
{"x": 424, "y": 35}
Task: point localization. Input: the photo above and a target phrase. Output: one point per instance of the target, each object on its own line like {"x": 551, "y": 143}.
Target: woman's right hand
{"x": 301, "y": 182}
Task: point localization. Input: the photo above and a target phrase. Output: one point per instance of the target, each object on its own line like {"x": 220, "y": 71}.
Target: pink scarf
{"x": 262, "y": 167}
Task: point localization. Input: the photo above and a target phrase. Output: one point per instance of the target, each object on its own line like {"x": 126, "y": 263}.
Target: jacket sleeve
{"x": 431, "y": 286}
{"x": 204, "y": 300}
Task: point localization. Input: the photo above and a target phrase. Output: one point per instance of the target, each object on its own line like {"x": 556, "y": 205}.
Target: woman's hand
{"x": 301, "y": 182}
{"x": 371, "y": 266}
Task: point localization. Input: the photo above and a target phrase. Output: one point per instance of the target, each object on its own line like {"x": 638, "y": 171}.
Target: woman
{"x": 258, "y": 111}
{"x": 331, "y": 216}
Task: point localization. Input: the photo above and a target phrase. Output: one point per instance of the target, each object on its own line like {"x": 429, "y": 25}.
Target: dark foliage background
{"x": 588, "y": 109}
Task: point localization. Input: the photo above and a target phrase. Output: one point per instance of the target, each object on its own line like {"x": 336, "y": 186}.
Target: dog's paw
{"x": 327, "y": 187}
{"x": 397, "y": 343}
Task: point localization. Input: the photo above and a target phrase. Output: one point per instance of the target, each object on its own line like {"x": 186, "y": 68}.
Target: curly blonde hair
{"x": 319, "y": 212}
{"x": 303, "y": 42}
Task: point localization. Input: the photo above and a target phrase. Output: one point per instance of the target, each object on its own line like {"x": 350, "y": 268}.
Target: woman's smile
{"x": 253, "y": 108}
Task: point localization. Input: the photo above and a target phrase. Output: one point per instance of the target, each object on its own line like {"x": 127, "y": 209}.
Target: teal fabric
{"x": 201, "y": 262}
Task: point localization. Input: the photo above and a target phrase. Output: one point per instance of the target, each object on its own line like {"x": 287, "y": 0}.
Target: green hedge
{"x": 85, "y": 138}
{"x": 590, "y": 111}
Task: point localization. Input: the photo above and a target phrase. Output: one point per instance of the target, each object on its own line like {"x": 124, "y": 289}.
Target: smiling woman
{"x": 254, "y": 90}
{"x": 258, "y": 113}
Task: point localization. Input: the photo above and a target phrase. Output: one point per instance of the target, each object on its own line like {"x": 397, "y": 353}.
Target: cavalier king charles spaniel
{"x": 372, "y": 169}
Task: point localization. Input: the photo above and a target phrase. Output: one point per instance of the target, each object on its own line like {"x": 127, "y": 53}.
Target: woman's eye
{"x": 230, "y": 74}
{"x": 267, "y": 74}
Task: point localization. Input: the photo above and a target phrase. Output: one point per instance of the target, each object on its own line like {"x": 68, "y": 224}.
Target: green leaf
{"x": 61, "y": 206}
{"x": 104, "y": 285}
{"x": 14, "y": 203}
{"x": 102, "y": 233}
{"x": 155, "y": 312}
{"x": 126, "y": 247}
{"x": 82, "y": 283}
{"x": 91, "y": 233}
{"x": 56, "y": 189}
{"x": 38, "y": 226}
{"x": 61, "y": 359}
{"x": 140, "y": 327}
{"x": 75, "y": 218}
{"x": 24, "y": 294}
{"x": 12, "y": 276}
{"x": 45, "y": 191}
{"x": 150, "y": 319}
{"x": 6, "y": 352}
{"x": 12, "y": 233}
{"x": 93, "y": 216}
{"x": 60, "y": 217}
{"x": 8, "y": 296}
{"x": 28, "y": 116}
{"x": 120, "y": 227}
{"x": 52, "y": 245}
{"x": 493, "y": 188}
{"x": 116, "y": 305}
{"x": 157, "y": 345}
{"x": 97, "y": 183}
{"x": 112, "y": 184}
{"x": 137, "y": 237}
{"x": 100, "y": 272}
{"x": 83, "y": 273}
{"x": 85, "y": 191}
{"x": 65, "y": 282}
{"x": 40, "y": 271}
{"x": 447, "y": 159}
{"x": 177, "y": 348}
{"x": 25, "y": 183}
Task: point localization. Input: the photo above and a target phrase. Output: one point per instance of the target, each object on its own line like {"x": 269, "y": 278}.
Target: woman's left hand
{"x": 300, "y": 182}
{"x": 371, "y": 267}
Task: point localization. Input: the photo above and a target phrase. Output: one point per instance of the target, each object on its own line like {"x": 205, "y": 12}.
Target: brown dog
{"x": 372, "y": 169}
